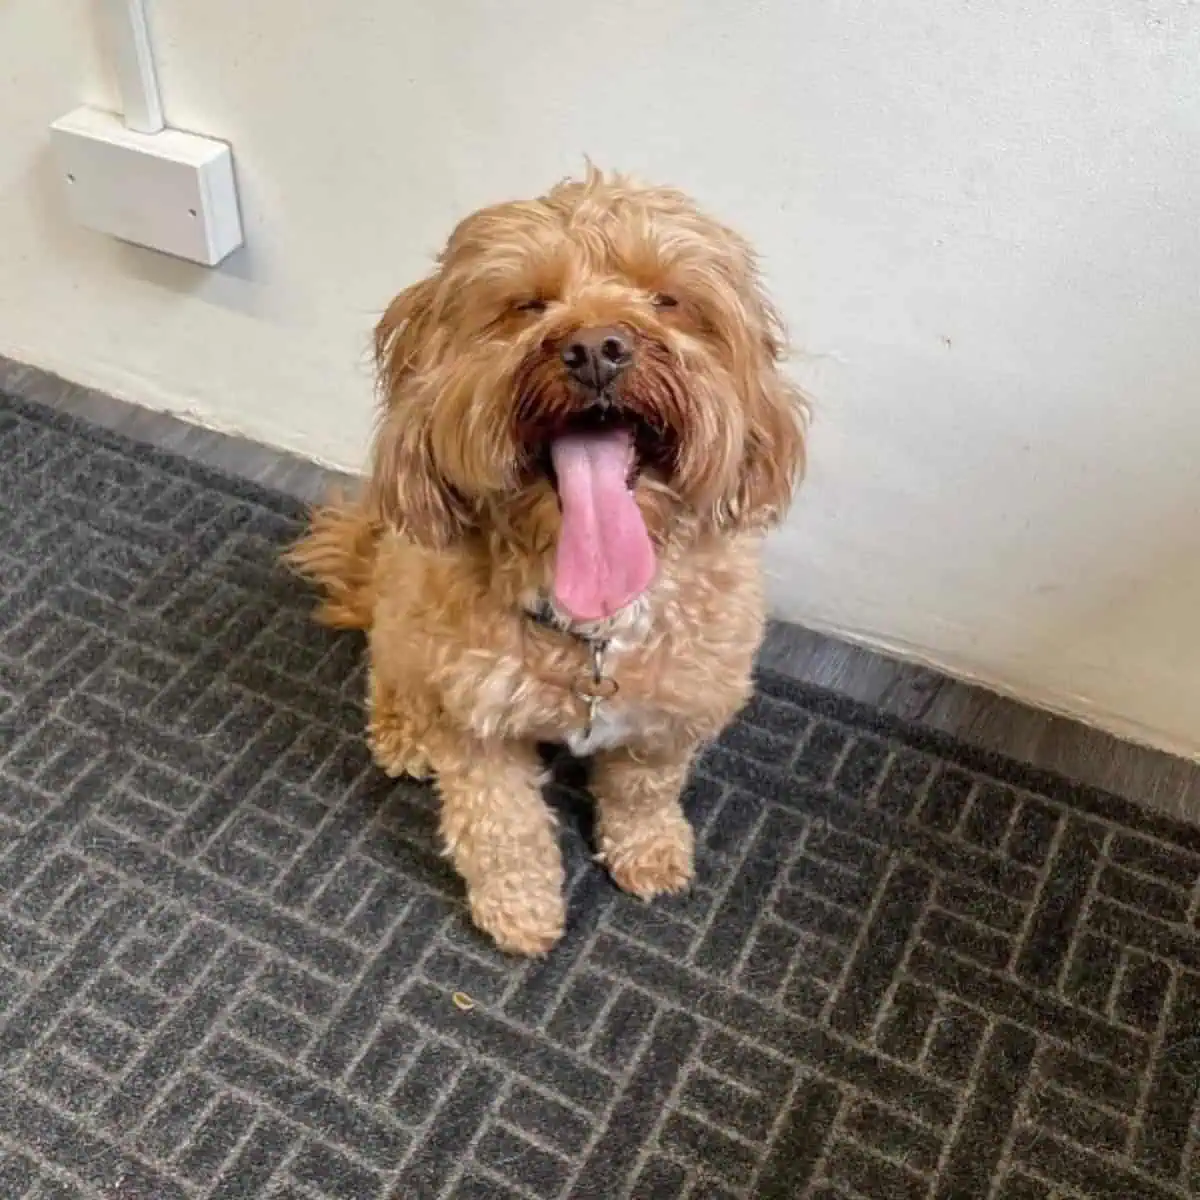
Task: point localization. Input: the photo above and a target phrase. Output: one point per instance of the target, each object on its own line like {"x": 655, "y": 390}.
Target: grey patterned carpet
{"x": 229, "y": 949}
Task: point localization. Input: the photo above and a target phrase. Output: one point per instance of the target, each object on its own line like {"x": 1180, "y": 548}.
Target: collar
{"x": 544, "y": 615}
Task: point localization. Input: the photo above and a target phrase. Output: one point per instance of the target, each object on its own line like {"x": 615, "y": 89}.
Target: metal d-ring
{"x": 604, "y": 688}
{"x": 599, "y": 687}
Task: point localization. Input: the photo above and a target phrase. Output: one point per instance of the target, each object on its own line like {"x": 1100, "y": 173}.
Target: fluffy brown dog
{"x": 584, "y": 435}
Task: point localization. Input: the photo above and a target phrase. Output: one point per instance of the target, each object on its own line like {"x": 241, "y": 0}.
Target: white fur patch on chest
{"x": 613, "y": 726}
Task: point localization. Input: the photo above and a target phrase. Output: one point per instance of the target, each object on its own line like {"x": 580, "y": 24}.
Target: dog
{"x": 584, "y": 432}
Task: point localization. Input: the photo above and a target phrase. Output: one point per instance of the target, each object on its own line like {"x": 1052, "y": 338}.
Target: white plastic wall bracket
{"x": 131, "y": 177}
{"x": 171, "y": 191}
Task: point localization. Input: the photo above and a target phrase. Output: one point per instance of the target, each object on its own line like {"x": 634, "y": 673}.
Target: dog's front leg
{"x": 643, "y": 836}
{"x": 501, "y": 836}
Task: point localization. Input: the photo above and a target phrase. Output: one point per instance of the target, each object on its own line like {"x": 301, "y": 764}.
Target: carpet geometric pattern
{"x": 229, "y": 948}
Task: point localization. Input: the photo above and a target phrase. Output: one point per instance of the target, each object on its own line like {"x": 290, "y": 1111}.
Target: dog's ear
{"x": 406, "y": 490}
{"x": 402, "y": 334}
{"x": 774, "y": 455}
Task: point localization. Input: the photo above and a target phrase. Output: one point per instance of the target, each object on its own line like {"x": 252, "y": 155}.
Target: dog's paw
{"x": 653, "y": 863}
{"x": 398, "y": 758}
{"x": 519, "y": 918}
{"x": 416, "y": 767}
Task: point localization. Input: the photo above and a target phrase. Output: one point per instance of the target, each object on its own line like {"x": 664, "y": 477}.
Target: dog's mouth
{"x": 653, "y": 448}
{"x": 605, "y": 558}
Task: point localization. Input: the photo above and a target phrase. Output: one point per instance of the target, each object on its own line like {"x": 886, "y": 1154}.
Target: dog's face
{"x": 601, "y": 325}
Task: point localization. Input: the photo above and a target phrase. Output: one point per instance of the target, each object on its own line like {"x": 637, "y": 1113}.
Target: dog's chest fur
{"x": 613, "y": 726}
{"x": 682, "y": 658}
{"x": 515, "y": 700}
{"x": 532, "y": 694}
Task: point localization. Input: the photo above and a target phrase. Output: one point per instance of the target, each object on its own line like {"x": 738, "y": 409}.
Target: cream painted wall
{"x": 982, "y": 219}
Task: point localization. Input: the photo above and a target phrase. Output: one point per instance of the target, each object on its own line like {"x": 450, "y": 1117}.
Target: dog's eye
{"x": 663, "y": 300}
{"x": 531, "y": 306}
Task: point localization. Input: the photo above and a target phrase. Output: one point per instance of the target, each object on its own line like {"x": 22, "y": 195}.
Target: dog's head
{"x": 605, "y": 334}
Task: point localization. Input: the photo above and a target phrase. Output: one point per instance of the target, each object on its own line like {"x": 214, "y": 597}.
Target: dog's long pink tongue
{"x": 605, "y": 557}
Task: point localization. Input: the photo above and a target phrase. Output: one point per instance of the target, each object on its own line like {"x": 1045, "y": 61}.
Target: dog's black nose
{"x": 595, "y": 357}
